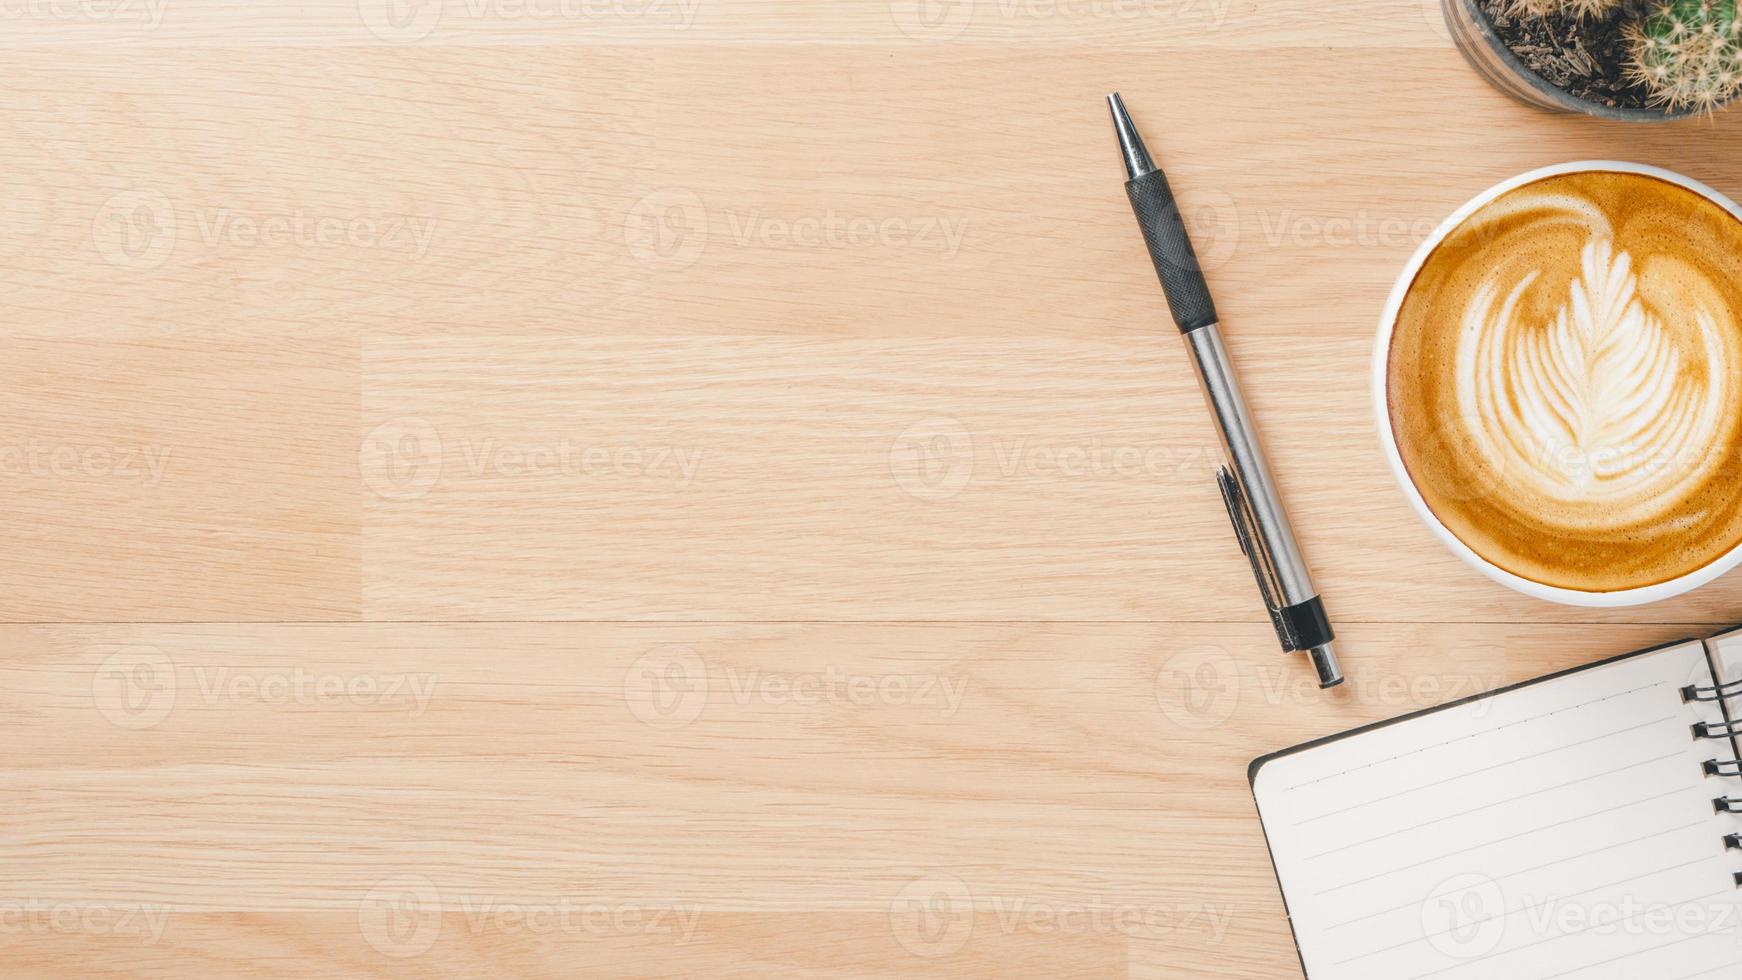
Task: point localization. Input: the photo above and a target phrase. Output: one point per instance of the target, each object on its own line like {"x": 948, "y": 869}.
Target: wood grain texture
{"x": 703, "y": 488}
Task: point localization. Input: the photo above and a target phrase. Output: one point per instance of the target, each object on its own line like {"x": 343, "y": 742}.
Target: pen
{"x": 1248, "y": 489}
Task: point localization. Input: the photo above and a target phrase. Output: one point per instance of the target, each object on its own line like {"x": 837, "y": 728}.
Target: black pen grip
{"x": 1170, "y": 248}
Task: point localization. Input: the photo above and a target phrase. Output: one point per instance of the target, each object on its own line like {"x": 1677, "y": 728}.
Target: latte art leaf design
{"x": 1597, "y": 403}
{"x": 1563, "y": 382}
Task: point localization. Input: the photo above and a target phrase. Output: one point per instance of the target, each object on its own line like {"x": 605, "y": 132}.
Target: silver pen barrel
{"x": 1271, "y": 527}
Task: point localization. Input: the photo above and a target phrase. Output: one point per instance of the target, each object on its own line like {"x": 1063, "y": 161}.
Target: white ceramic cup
{"x": 1388, "y": 439}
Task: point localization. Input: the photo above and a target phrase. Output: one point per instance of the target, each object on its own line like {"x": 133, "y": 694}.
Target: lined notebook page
{"x": 1561, "y": 830}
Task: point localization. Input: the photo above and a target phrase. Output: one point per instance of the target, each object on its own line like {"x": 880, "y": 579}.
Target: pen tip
{"x": 1137, "y": 159}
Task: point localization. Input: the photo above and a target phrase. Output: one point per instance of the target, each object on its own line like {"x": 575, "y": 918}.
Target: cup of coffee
{"x": 1558, "y": 383}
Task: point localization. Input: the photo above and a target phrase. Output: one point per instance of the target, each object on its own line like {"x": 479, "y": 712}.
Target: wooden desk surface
{"x": 668, "y": 487}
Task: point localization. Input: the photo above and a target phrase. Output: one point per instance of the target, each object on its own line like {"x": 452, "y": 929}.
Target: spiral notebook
{"x": 1587, "y": 824}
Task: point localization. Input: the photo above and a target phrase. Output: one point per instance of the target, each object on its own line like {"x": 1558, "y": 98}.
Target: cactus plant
{"x": 1542, "y": 8}
{"x": 1684, "y": 54}
{"x": 1688, "y": 53}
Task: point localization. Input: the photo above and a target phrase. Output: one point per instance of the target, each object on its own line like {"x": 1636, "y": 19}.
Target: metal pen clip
{"x": 1299, "y": 628}
{"x": 1263, "y": 566}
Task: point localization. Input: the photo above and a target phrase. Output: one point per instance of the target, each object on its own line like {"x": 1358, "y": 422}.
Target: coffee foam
{"x": 1565, "y": 381}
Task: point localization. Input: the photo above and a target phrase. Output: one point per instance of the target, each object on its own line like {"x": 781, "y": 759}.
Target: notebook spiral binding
{"x": 1728, "y": 730}
{"x": 1718, "y": 692}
